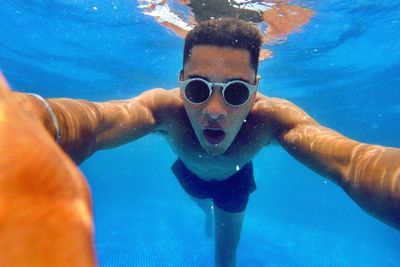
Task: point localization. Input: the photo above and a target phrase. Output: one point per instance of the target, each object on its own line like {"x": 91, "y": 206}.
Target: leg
{"x": 230, "y": 202}
{"x": 166, "y": 16}
{"x": 227, "y": 236}
{"x": 207, "y": 207}
{"x": 198, "y": 190}
{"x": 45, "y": 205}
{"x": 282, "y": 19}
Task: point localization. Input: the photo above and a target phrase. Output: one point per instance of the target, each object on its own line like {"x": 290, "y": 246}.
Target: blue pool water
{"x": 343, "y": 68}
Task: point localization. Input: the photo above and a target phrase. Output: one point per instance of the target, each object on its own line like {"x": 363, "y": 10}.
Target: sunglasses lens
{"x": 197, "y": 91}
{"x": 236, "y": 94}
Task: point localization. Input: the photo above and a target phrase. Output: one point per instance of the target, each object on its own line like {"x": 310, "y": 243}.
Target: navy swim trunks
{"x": 231, "y": 194}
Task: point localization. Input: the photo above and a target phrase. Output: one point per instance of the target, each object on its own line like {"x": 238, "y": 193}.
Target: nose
{"x": 215, "y": 107}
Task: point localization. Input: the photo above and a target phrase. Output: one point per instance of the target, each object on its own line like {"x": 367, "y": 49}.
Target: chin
{"x": 214, "y": 150}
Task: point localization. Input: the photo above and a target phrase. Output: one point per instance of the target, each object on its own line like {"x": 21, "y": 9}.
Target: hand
{"x": 41, "y": 193}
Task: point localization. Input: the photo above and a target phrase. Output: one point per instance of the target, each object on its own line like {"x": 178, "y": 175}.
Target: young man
{"x": 216, "y": 123}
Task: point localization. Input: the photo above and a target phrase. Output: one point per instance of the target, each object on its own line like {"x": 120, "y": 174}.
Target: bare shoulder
{"x": 159, "y": 97}
{"x": 266, "y": 106}
{"x": 159, "y": 100}
{"x": 263, "y": 101}
{"x": 165, "y": 105}
{"x": 280, "y": 113}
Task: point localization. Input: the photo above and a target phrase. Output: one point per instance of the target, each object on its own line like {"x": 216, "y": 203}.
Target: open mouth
{"x": 214, "y": 136}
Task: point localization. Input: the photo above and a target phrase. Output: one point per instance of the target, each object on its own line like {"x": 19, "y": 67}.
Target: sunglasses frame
{"x": 183, "y": 84}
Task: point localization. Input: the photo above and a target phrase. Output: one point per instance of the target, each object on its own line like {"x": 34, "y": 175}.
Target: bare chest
{"x": 244, "y": 148}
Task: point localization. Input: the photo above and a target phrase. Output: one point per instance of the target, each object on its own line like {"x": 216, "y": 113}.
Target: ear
{"x": 180, "y": 79}
{"x": 181, "y": 75}
{"x": 254, "y": 96}
{"x": 258, "y": 78}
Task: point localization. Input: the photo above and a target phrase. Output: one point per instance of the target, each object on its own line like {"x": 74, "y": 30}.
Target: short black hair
{"x": 215, "y": 9}
{"x": 225, "y": 32}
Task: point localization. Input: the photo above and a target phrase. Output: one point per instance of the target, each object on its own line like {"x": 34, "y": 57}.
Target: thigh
{"x": 204, "y": 203}
{"x": 190, "y": 182}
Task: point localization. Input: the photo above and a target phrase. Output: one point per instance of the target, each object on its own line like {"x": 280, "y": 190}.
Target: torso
{"x": 180, "y": 135}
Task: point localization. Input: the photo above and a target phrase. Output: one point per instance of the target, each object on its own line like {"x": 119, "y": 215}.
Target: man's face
{"x": 216, "y": 123}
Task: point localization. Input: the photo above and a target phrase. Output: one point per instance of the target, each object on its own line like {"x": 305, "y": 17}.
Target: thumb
{"x": 4, "y": 88}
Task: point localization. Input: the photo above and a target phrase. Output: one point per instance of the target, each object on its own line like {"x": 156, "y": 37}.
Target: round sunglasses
{"x": 235, "y": 93}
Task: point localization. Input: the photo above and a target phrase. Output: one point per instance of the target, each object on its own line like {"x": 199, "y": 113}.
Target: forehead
{"x": 213, "y": 62}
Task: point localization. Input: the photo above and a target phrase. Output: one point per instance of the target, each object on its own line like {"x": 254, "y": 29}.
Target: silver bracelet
{"x": 52, "y": 115}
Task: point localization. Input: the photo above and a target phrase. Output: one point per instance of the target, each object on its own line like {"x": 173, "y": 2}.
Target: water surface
{"x": 342, "y": 68}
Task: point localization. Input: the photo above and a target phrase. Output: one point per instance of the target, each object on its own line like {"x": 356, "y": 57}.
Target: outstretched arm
{"x": 370, "y": 174}
{"x": 45, "y": 205}
{"x": 86, "y": 127}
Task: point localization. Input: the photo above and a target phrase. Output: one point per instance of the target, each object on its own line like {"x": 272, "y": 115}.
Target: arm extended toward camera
{"x": 83, "y": 127}
{"x": 370, "y": 174}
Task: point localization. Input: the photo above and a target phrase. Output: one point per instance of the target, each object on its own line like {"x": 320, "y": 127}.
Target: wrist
{"x": 50, "y": 117}
{"x": 40, "y": 110}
